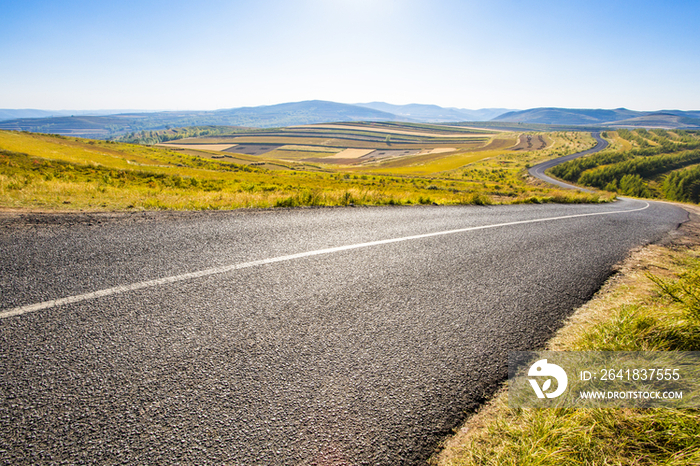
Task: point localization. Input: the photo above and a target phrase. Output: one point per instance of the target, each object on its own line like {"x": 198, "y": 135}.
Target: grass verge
{"x": 652, "y": 304}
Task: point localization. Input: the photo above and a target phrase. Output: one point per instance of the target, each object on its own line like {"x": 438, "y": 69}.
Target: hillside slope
{"x": 435, "y": 113}
{"x": 568, "y": 116}
{"x": 619, "y": 117}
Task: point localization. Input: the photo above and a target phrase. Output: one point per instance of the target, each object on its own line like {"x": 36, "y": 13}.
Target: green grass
{"x": 27, "y": 181}
{"x": 586, "y": 437}
{"x": 45, "y": 172}
{"x": 646, "y": 312}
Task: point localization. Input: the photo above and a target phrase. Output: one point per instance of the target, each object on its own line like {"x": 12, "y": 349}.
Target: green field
{"x": 49, "y": 172}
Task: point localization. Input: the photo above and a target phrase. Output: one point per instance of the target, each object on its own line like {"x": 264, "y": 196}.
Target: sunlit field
{"x": 49, "y": 172}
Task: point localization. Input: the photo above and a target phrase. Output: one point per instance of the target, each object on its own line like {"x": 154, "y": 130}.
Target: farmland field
{"x": 354, "y": 144}
{"x": 349, "y": 164}
{"x": 453, "y": 132}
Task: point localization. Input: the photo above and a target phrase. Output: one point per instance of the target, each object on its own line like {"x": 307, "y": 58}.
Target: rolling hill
{"x": 436, "y": 114}
{"x": 14, "y": 114}
{"x": 296, "y": 113}
{"x": 619, "y": 117}
{"x": 108, "y": 125}
{"x": 267, "y": 116}
{"x": 661, "y": 120}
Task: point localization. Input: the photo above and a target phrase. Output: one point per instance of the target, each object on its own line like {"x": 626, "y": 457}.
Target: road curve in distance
{"x": 538, "y": 171}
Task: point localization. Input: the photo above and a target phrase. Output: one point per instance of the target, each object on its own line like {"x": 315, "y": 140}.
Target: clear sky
{"x": 211, "y": 54}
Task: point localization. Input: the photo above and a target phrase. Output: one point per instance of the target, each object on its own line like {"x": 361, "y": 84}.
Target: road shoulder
{"x": 477, "y": 440}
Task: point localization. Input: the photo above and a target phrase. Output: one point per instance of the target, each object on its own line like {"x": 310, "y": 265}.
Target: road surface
{"x": 300, "y": 336}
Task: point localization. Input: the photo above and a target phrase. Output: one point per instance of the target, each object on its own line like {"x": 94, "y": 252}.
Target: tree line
{"x": 646, "y": 171}
{"x": 151, "y": 137}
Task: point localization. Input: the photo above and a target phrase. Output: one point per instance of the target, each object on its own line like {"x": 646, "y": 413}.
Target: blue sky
{"x": 210, "y": 54}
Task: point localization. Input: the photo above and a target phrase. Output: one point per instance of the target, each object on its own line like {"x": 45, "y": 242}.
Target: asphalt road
{"x": 538, "y": 170}
{"x": 283, "y": 350}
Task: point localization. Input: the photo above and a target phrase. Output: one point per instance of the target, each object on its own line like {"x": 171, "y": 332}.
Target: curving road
{"x": 301, "y": 336}
{"x": 538, "y": 171}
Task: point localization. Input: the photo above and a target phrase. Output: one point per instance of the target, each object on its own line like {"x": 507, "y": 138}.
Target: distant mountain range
{"x": 620, "y": 117}
{"x": 436, "y": 114}
{"x": 112, "y": 122}
{"x": 12, "y": 114}
{"x": 268, "y": 116}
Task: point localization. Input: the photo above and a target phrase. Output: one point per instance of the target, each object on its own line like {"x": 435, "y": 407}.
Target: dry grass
{"x": 432, "y": 162}
{"x": 439, "y": 150}
{"x": 617, "y": 143}
{"x": 212, "y": 147}
{"x": 351, "y": 154}
{"x": 43, "y": 172}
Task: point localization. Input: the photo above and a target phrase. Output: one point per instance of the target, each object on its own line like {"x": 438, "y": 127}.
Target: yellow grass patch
{"x": 424, "y": 165}
{"x": 213, "y": 147}
{"x": 438, "y": 150}
{"x": 618, "y": 142}
{"x": 351, "y": 154}
{"x": 72, "y": 151}
{"x": 309, "y": 149}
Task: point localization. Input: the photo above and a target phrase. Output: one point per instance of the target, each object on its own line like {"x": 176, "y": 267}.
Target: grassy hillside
{"x": 654, "y": 164}
{"x": 436, "y": 114}
{"x": 568, "y": 116}
{"x": 661, "y": 120}
{"x": 620, "y": 117}
{"x": 48, "y": 172}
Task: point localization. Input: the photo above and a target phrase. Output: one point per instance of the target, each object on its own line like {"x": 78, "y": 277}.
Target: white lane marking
{"x": 229, "y": 268}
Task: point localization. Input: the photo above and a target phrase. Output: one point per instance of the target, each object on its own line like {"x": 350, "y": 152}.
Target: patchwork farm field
{"x": 352, "y": 144}
{"x": 316, "y": 165}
